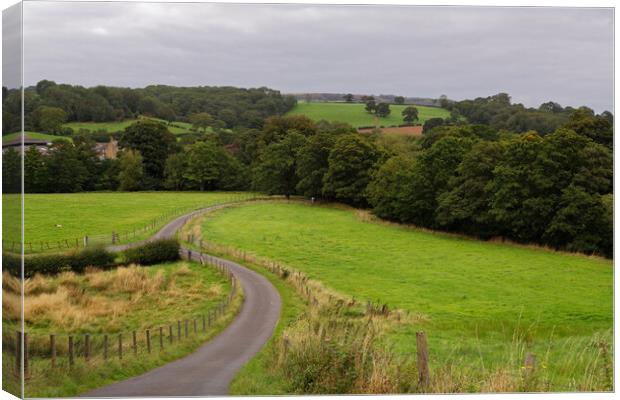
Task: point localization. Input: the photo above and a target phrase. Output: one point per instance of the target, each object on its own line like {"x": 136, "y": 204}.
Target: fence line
{"x": 66, "y": 348}
{"x": 117, "y": 236}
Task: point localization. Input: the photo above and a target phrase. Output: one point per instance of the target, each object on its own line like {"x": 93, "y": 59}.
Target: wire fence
{"x": 54, "y": 350}
{"x": 117, "y": 236}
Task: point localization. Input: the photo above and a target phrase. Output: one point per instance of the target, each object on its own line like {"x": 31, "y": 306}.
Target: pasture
{"x": 176, "y": 128}
{"x": 356, "y": 115}
{"x": 482, "y": 304}
{"x": 54, "y": 217}
{"x": 34, "y": 135}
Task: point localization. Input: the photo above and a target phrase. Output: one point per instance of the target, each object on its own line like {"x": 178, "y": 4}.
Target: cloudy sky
{"x": 535, "y": 54}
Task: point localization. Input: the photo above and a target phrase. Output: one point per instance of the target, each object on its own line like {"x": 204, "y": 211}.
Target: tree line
{"x": 48, "y": 102}
{"x": 553, "y": 189}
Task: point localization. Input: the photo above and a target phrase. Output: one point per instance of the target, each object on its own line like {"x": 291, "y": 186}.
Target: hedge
{"x": 154, "y": 252}
{"x": 52, "y": 264}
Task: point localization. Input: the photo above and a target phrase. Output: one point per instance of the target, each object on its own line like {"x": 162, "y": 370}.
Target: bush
{"x": 154, "y": 252}
{"x": 93, "y": 257}
{"x": 52, "y": 264}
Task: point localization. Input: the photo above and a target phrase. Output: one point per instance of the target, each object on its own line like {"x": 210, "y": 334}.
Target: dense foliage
{"x": 52, "y": 264}
{"x": 499, "y": 113}
{"x": 154, "y": 252}
{"x": 47, "y": 105}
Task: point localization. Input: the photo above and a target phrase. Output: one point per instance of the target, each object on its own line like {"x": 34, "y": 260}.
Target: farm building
{"x": 41, "y": 145}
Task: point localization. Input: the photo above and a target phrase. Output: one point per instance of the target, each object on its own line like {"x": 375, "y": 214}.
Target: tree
{"x": 382, "y": 110}
{"x": 583, "y": 223}
{"x": 410, "y": 114}
{"x": 430, "y": 123}
{"x": 203, "y": 164}
{"x": 386, "y": 187}
{"x": 174, "y": 172}
{"x": 597, "y": 127}
{"x": 50, "y": 119}
{"x": 34, "y": 171}
{"x": 131, "y": 171}
{"x": 371, "y": 106}
{"x": 154, "y": 142}
{"x": 201, "y": 121}
{"x": 64, "y": 172}
{"x": 276, "y": 170}
{"x": 399, "y": 100}
{"x": 348, "y": 98}
{"x": 312, "y": 164}
{"x": 465, "y": 205}
{"x": 277, "y": 128}
{"x": 11, "y": 171}
{"x": 352, "y": 161}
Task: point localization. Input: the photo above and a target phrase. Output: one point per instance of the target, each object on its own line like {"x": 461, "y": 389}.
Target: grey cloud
{"x": 535, "y": 54}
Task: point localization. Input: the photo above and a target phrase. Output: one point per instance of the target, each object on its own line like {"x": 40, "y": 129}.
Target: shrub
{"x": 154, "y": 252}
{"x": 52, "y": 264}
{"x": 92, "y": 257}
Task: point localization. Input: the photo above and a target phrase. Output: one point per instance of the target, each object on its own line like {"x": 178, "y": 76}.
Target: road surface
{"x": 209, "y": 370}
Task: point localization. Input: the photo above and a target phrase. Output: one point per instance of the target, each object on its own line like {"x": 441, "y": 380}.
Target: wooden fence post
{"x": 204, "y": 323}
{"x": 85, "y": 240}
{"x": 105, "y": 347}
{"x": 148, "y": 341}
{"x": 170, "y": 333}
{"x": 422, "y": 348}
{"x": 161, "y": 338}
{"x": 134, "y": 343}
{"x": 179, "y": 330}
{"x": 18, "y": 353}
{"x": 195, "y": 330}
{"x": 25, "y": 355}
{"x": 71, "y": 354}
{"x": 186, "y": 329}
{"x": 120, "y": 346}
{"x": 86, "y": 346}
{"x": 53, "y": 350}
{"x": 113, "y": 237}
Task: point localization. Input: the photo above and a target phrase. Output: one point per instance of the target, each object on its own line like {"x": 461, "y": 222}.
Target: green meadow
{"x": 482, "y": 304}
{"x": 53, "y": 217}
{"x": 34, "y": 135}
{"x": 356, "y": 115}
{"x": 176, "y": 128}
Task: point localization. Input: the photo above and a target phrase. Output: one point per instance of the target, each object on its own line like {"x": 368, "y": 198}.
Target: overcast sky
{"x": 535, "y": 54}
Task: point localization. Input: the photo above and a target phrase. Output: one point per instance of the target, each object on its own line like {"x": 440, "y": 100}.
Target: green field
{"x": 176, "y": 128}
{"x": 92, "y": 214}
{"x": 356, "y": 115}
{"x": 482, "y": 304}
{"x": 34, "y": 135}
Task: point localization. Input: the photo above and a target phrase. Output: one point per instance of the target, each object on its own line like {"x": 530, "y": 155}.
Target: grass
{"x": 176, "y": 128}
{"x": 117, "y": 301}
{"x": 356, "y": 115}
{"x": 56, "y": 217}
{"x": 34, "y": 135}
{"x": 483, "y": 305}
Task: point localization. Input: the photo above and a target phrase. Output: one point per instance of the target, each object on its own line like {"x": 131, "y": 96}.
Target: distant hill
{"x": 385, "y": 98}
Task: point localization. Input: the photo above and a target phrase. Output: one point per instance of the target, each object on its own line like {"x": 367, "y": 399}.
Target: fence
{"x": 64, "y": 350}
{"x": 118, "y": 236}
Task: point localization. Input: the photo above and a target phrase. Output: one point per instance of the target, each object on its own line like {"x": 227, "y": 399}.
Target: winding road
{"x": 209, "y": 370}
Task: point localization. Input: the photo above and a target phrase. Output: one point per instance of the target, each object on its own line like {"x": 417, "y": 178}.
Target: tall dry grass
{"x": 96, "y": 299}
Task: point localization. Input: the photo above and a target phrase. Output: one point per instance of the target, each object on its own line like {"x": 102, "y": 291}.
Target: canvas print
{"x": 210, "y": 199}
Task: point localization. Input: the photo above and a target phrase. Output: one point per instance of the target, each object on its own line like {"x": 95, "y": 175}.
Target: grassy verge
{"x": 483, "y": 305}
{"x": 110, "y": 303}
